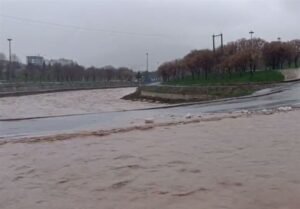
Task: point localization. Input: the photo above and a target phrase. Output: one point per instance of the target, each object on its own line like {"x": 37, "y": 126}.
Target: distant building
{"x": 150, "y": 77}
{"x": 62, "y": 61}
{"x": 35, "y": 60}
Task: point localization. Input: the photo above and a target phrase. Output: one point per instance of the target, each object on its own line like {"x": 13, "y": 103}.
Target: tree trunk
{"x": 206, "y": 74}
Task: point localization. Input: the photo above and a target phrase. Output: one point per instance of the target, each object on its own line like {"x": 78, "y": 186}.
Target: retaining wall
{"x": 197, "y": 93}
{"x": 291, "y": 74}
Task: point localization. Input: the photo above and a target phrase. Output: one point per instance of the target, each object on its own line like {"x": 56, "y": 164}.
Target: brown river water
{"x": 242, "y": 163}
{"x": 66, "y": 103}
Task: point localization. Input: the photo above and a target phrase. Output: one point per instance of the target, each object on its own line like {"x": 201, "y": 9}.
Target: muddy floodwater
{"x": 108, "y": 111}
{"x": 244, "y": 163}
{"x": 66, "y": 103}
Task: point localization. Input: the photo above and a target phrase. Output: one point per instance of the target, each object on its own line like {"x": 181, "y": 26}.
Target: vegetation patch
{"x": 182, "y": 94}
{"x": 268, "y": 76}
{"x": 236, "y": 62}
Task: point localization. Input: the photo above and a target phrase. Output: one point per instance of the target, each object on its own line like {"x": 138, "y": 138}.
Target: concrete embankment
{"x": 20, "y": 89}
{"x": 291, "y": 74}
{"x": 175, "y": 94}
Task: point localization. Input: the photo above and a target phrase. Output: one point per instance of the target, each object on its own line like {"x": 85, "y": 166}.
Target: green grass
{"x": 269, "y": 76}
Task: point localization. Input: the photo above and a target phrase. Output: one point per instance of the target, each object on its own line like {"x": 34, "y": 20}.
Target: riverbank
{"x": 239, "y": 163}
{"x": 201, "y": 89}
{"x": 182, "y": 94}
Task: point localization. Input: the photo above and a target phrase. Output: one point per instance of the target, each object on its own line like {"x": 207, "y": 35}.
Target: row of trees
{"x": 7, "y": 69}
{"x": 235, "y": 57}
{"x": 75, "y": 72}
{"x": 15, "y": 71}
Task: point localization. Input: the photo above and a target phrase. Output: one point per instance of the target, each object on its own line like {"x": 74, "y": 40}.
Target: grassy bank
{"x": 270, "y": 76}
{"x": 192, "y": 93}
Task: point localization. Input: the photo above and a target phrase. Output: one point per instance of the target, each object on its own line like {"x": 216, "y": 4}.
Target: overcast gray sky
{"x": 120, "y": 32}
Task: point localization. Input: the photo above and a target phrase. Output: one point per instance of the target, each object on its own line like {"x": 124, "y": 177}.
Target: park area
{"x": 269, "y": 76}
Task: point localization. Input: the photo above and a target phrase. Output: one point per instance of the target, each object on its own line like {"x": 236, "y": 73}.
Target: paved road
{"x": 286, "y": 95}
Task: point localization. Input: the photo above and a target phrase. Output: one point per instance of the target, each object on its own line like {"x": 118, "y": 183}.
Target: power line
{"x": 28, "y": 20}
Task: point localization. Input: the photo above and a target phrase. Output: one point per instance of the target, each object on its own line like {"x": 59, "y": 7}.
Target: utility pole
{"x": 9, "y": 65}
{"x": 214, "y": 42}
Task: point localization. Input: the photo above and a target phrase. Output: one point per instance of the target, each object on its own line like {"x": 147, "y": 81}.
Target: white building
{"x": 62, "y": 61}
{"x": 35, "y": 60}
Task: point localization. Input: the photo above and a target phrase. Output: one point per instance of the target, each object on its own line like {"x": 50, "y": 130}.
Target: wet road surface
{"x": 286, "y": 95}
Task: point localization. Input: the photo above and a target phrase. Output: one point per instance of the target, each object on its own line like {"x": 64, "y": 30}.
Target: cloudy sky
{"x": 120, "y": 32}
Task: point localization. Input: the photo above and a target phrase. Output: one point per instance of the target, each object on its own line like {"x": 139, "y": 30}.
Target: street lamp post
{"x": 9, "y": 65}
{"x": 251, "y": 38}
{"x": 147, "y": 61}
{"x": 251, "y": 64}
{"x": 251, "y": 34}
